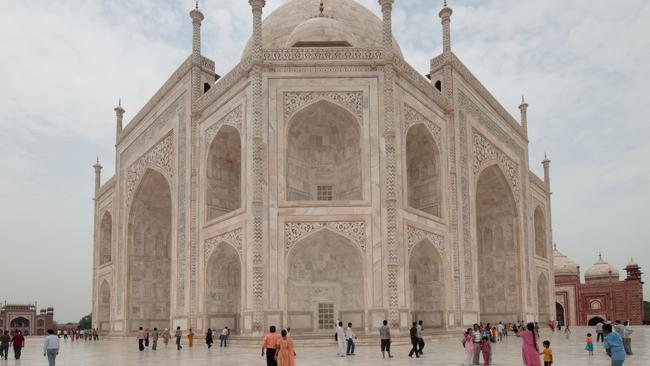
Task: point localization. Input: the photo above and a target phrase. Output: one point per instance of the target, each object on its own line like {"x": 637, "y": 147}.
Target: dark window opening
{"x": 438, "y": 85}
{"x": 206, "y": 87}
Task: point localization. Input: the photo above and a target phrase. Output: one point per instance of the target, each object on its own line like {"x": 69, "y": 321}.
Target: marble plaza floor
{"x": 444, "y": 352}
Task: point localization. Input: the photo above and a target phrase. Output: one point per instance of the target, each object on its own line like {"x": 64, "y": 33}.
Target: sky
{"x": 581, "y": 64}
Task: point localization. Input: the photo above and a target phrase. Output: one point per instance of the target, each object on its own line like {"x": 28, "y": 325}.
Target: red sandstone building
{"x": 601, "y": 297}
{"x": 26, "y": 319}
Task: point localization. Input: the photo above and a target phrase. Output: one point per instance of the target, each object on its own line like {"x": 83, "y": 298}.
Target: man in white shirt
{"x": 500, "y": 330}
{"x": 627, "y": 338}
{"x": 476, "y": 339}
{"x": 350, "y": 336}
{"x": 420, "y": 337}
{"x": 51, "y": 347}
{"x": 340, "y": 338}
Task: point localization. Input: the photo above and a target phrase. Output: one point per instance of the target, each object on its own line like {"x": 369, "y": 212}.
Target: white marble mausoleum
{"x": 322, "y": 178}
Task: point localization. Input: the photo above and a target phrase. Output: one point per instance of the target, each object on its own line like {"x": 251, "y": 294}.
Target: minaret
{"x": 387, "y": 26}
{"x": 523, "y": 107}
{"x": 197, "y": 18}
{"x": 119, "y": 116}
{"x": 445, "y": 16}
{"x": 547, "y": 176}
{"x": 98, "y": 176}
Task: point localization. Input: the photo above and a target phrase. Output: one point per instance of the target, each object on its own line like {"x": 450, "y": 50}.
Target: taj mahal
{"x": 321, "y": 178}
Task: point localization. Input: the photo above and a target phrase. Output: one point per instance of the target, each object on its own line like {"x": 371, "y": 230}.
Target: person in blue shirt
{"x": 614, "y": 345}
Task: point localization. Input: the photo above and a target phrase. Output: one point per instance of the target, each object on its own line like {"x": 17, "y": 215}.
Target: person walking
{"x": 384, "y": 335}
{"x": 190, "y": 338}
{"x": 476, "y": 340}
{"x": 166, "y": 336}
{"x": 613, "y": 344}
{"x": 286, "y": 355}
{"x": 413, "y": 333}
{"x": 18, "y": 342}
{"x": 350, "y": 337}
{"x": 223, "y": 337}
{"x": 599, "y": 331}
{"x": 96, "y": 334}
{"x": 154, "y": 339}
{"x": 420, "y": 337}
{"x": 51, "y": 347}
{"x": 529, "y": 348}
{"x": 178, "y": 335}
{"x": 627, "y": 338}
{"x": 340, "y": 339}
{"x": 5, "y": 339}
{"x": 146, "y": 337}
{"x": 140, "y": 337}
{"x": 619, "y": 328}
{"x": 468, "y": 344}
{"x": 269, "y": 345}
{"x": 500, "y": 331}
{"x": 208, "y": 338}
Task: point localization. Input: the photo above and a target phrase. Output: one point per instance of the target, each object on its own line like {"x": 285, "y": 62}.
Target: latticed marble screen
{"x": 325, "y": 315}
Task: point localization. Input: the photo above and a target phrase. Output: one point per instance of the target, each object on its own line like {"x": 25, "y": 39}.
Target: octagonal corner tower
{"x": 322, "y": 178}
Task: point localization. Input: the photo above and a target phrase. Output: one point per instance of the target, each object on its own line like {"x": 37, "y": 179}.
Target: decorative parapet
{"x": 160, "y": 156}
{"x": 353, "y": 230}
{"x": 233, "y": 238}
{"x": 323, "y": 54}
{"x": 351, "y": 100}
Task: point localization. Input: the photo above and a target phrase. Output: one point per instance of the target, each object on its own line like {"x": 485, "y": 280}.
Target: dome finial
{"x": 321, "y": 9}
{"x": 600, "y": 256}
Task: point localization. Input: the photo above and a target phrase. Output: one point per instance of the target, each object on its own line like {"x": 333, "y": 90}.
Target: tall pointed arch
{"x": 424, "y": 173}
{"x": 105, "y": 238}
{"x": 427, "y": 284}
{"x": 223, "y": 173}
{"x": 539, "y": 221}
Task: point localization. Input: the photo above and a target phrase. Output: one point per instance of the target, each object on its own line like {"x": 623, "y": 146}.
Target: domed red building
{"x": 603, "y": 295}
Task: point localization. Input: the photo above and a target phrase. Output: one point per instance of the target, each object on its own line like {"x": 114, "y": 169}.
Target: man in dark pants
{"x": 270, "y": 343}
{"x": 5, "y": 339}
{"x": 420, "y": 338}
{"x": 413, "y": 332}
{"x": 18, "y": 342}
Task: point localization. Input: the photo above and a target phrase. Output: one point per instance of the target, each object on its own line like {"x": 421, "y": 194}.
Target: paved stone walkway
{"x": 124, "y": 352}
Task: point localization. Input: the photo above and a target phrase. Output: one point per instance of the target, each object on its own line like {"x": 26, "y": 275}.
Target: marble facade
{"x": 321, "y": 178}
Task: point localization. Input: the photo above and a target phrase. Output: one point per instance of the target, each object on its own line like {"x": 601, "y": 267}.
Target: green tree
{"x": 86, "y": 322}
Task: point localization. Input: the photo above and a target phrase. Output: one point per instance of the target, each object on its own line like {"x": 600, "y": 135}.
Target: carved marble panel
{"x": 233, "y": 238}
{"x": 233, "y": 118}
{"x": 160, "y": 156}
{"x": 353, "y": 230}
{"x": 412, "y": 116}
{"x": 486, "y": 153}
{"x": 414, "y": 235}
{"x": 351, "y": 100}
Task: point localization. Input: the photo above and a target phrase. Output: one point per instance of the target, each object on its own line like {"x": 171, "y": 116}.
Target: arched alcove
{"x": 223, "y": 290}
{"x": 543, "y": 300}
{"x": 325, "y": 283}
{"x": 149, "y": 259}
{"x": 104, "y": 306}
{"x": 427, "y": 284}
{"x": 423, "y": 171}
{"x": 323, "y": 155}
{"x": 105, "y": 238}
{"x": 498, "y": 249}
{"x": 223, "y": 173}
{"x": 559, "y": 313}
{"x": 539, "y": 222}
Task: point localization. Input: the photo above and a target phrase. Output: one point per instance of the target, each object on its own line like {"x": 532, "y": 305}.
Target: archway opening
{"x": 323, "y": 155}
{"x": 540, "y": 233}
{"x": 543, "y": 302}
{"x": 595, "y": 320}
{"x": 20, "y": 323}
{"x": 498, "y": 250}
{"x": 423, "y": 171}
{"x": 105, "y": 239}
{"x": 325, "y": 283}
{"x": 223, "y": 175}
{"x": 149, "y": 263}
{"x": 104, "y": 307}
{"x": 223, "y": 292}
{"x": 427, "y": 286}
{"x": 559, "y": 313}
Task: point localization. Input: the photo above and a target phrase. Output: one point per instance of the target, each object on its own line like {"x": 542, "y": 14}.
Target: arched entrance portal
{"x": 325, "y": 283}
{"x": 540, "y": 233}
{"x": 542, "y": 299}
{"x": 104, "y": 310}
{"x": 498, "y": 250}
{"x": 595, "y": 320}
{"x": 559, "y": 313}
{"x": 223, "y": 175}
{"x": 223, "y": 291}
{"x": 427, "y": 287}
{"x": 149, "y": 266}
{"x": 424, "y": 178}
{"x": 21, "y": 324}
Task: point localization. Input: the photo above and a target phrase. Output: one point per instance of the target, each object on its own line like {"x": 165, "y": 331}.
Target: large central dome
{"x": 297, "y": 24}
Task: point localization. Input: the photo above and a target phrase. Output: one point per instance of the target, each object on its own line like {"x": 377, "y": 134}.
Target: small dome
{"x": 600, "y": 271}
{"x": 563, "y": 266}
{"x": 632, "y": 264}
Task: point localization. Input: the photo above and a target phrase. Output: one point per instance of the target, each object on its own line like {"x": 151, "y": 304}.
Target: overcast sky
{"x": 582, "y": 64}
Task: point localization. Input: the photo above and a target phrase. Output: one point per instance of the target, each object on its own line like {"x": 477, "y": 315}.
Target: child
{"x": 485, "y": 348}
{"x": 590, "y": 344}
{"x": 548, "y": 353}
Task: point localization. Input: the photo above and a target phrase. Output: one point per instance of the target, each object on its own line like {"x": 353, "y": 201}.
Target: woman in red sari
{"x": 285, "y": 355}
{"x": 529, "y": 348}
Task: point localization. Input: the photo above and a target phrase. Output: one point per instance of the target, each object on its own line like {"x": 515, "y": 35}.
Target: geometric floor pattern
{"x": 124, "y": 352}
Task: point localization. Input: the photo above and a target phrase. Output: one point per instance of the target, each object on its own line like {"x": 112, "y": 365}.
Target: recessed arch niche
{"x": 543, "y": 301}
{"x": 540, "y": 233}
{"x": 424, "y": 173}
{"x": 104, "y": 306}
{"x": 223, "y": 173}
{"x": 427, "y": 284}
{"x": 223, "y": 287}
{"x": 105, "y": 238}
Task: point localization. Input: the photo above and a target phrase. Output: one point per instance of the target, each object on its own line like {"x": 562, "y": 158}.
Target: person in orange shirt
{"x": 548, "y": 353}
{"x": 270, "y": 344}
{"x": 285, "y": 353}
{"x": 190, "y": 338}
{"x": 590, "y": 344}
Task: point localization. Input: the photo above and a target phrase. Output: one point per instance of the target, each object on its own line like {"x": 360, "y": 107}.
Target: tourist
{"x": 178, "y": 335}
{"x": 85, "y": 335}
{"x": 65, "y": 334}
{"x": 285, "y": 355}
{"x": 223, "y": 337}
{"x": 384, "y": 335}
{"x": 613, "y": 345}
{"x": 567, "y": 332}
{"x": 413, "y": 333}
{"x": 154, "y": 339}
{"x": 269, "y": 345}
{"x": 140, "y": 337}
{"x": 190, "y": 338}
{"x": 537, "y": 328}
{"x": 476, "y": 339}
{"x": 58, "y": 333}
{"x": 627, "y": 338}
{"x": 208, "y": 338}
{"x": 590, "y": 344}
{"x": 146, "y": 337}
{"x": 468, "y": 344}
{"x": 166, "y": 336}
{"x": 420, "y": 337}
{"x": 340, "y": 339}
{"x": 51, "y": 347}
{"x": 599, "y": 331}
{"x": 529, "y": 348}
{"x": 5, "y": 339}
{"x": 96, "y": 334}
{"x": 500, "y": 331}
{"x": 486, "y": 350}
{"x": 350, "y": 337}
{"x": 18, "y": 342}
{"x": 547, "y": 353}
{"x": 91, "y": 333}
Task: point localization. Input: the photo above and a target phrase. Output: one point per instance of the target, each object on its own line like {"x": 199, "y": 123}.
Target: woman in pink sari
{"x": 469, "y": 347}
{"x": 529, "y": 348}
